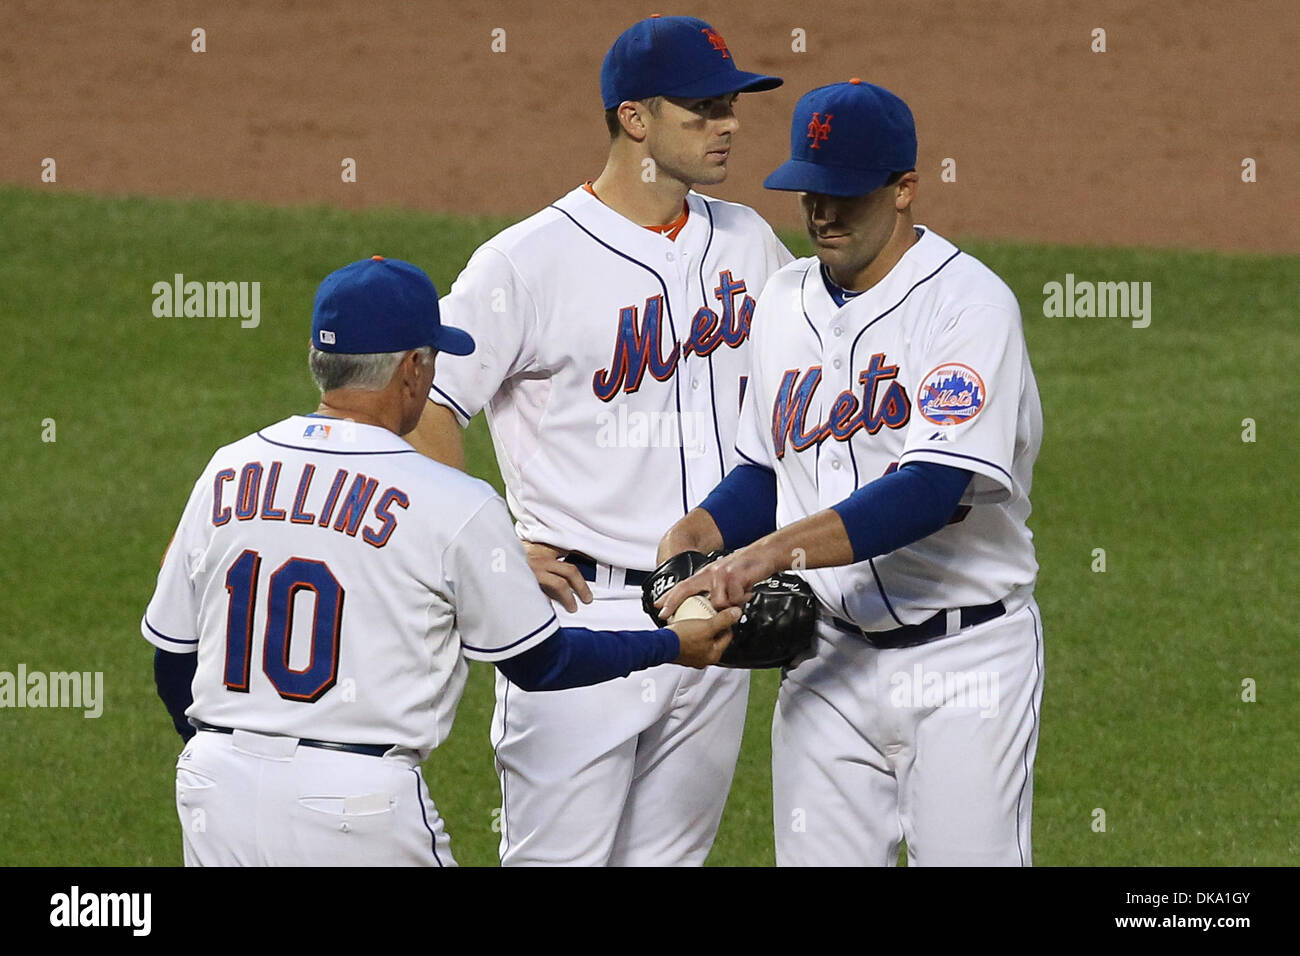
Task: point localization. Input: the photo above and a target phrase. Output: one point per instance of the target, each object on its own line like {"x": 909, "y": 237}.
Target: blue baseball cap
{"x": 674, "y": 56}
{"x": 381, "y": 305}
{"x": 846, "y": 139}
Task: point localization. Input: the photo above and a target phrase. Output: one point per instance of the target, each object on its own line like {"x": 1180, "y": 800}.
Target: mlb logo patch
{"x": 326, "y": 337}
{"x": 316, "y": 431}
{"x": 951, "y": 394}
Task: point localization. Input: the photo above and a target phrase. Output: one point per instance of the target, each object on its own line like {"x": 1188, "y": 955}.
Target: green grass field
{"x": 1143, "y": 456}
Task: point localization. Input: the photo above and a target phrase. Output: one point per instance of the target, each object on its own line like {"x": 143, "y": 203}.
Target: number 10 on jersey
{"x": 289, "y": 579}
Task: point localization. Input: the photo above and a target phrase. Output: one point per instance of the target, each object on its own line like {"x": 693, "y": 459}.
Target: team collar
{"x": 837, "y": 292}
{"x": 316, "y": 432}
{"x": 591, "y": 212}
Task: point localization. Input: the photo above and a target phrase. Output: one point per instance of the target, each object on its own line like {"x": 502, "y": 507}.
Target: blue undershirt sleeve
{"x": 743, "y": 505}
{"x": 173, "y": 674}
{"x": 901, "y": 508}
{"x": 576, "y": 657}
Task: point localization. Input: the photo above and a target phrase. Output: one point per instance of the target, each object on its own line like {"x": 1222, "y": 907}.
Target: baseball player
{"x": 613, "y": 331}
{"x": 324, "y": 587}
{"x": 888, "y": 437}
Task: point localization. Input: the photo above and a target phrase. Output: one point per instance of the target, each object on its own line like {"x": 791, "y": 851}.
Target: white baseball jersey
{"x": 333, "y": 580}
{"x": 928, "y": 365}
{"x": 611, "y": 361}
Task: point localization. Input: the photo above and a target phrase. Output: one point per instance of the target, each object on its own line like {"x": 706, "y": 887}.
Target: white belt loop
{"x": 954, "y": 621}
{"x": 608, "y": 576}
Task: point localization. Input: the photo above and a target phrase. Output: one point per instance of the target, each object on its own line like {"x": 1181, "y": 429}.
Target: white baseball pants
{"x": 631, "y": 772}
{"x": 248, "y": 799}
{"x": 933, "y": 744}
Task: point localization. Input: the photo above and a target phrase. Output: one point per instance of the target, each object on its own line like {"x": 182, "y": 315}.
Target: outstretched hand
{"x": 727, "y": 582}
{"x": 704, "y": 640}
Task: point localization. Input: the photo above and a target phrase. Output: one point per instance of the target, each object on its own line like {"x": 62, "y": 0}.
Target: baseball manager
{"x": 322, "y": 592}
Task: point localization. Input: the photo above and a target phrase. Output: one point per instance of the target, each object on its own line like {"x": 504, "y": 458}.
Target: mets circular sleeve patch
{"x": 951, "y": 394}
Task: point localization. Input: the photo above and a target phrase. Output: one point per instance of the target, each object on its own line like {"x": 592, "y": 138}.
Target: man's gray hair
{"x": 368, "y": 373}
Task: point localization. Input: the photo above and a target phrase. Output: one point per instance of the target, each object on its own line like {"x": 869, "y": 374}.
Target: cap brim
{"x": 799, "y": 175}
{"x": 724, "y": 82}
{"x": 455, "y": 341}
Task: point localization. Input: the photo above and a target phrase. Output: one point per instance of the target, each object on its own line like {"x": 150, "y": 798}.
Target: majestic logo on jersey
{"x": 951, "y": 394}
{"x": 639, "y": 346}
{"x": 819, "y": 129}
{"x": 716, "y": 41}
{"x": 848, "y": 413}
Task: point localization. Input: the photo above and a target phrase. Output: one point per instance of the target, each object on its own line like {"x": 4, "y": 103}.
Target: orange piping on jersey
{"x": 669, "y": 230}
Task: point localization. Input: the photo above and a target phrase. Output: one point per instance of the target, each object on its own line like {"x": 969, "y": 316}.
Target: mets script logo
{"x": 639, "y": 346}
{"x": 848, "y": 413}
{"x": 716, "y": 41}
{"x": 951, "y": 394}
{"x": 819, "y": 129}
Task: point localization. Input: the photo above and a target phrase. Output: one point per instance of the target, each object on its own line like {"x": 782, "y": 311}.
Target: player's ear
{"x": 631, "y": 116}
{"x": 410, "y": 369}
{"x": 905, "y": 190}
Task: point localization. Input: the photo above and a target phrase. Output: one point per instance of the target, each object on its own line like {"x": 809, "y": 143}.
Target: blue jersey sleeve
{"x": 743, "y": 505}
{"x": 901, "y": 508}
{"x": 173, "y": 674}
{"x": 576, "y": 657}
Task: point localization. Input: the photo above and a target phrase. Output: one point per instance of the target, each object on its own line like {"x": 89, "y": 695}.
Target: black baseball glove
{"x": 668, "y": 575}
{"x": 775, "y": 626}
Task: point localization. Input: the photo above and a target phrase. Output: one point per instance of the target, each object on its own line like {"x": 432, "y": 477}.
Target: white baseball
{"x": 694, "y": 608}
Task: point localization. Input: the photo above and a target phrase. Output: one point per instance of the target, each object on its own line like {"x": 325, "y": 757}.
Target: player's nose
{"x": 821, "y": 208}
{"x": 726, "y": 126}
{"x": 724, "y": 117}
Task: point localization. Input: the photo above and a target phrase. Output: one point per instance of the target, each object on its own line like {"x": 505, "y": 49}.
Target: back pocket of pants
{"x": 369, "y": 813}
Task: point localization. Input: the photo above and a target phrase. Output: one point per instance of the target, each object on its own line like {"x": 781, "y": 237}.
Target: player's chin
{"x": 830, "y": 255}
{"x": 713, "y": 171}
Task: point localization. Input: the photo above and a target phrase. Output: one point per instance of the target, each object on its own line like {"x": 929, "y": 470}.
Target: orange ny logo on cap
{"x": 819, "y": 129}
{"x": 718, "y": 43}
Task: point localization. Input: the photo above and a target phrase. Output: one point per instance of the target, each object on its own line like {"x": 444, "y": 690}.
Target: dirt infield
{"x": 1142, "y": 144}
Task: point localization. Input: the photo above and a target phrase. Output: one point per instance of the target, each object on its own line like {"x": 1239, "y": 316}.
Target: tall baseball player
{"x": 323, "y": 589}
{"x": 889, "y": 432}
{"x": 613, "y": 330}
